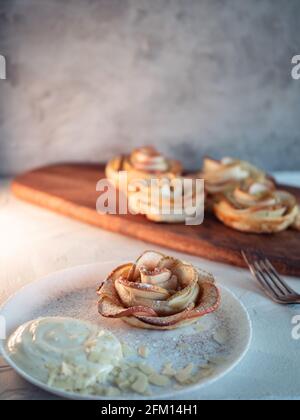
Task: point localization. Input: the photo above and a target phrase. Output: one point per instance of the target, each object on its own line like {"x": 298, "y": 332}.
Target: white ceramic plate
{"x": 72, "y": 293}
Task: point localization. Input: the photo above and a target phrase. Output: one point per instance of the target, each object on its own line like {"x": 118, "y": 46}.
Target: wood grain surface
{"x": 70, "y": 189}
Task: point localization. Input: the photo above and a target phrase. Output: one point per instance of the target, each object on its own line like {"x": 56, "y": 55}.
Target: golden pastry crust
{"x": 158, "y": 292}
{"x": 296, "y": 224}
{"x": 143, "y": 163}
{"x": 257, "y": 207}
{"x": 227, "y": 174}
{"x": 168, "y": 201}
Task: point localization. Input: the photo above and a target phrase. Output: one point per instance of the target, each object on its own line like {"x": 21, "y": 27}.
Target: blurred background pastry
{"x": 257, "y": 207}
{"x": 143, "y": 163}
{"x": 176, "y": 200}
{"x": 224, "y": 175}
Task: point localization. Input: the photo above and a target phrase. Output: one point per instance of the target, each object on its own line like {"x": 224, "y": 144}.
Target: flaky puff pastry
{"x": 168, "y": 200}
{"x": 227, "y": 174}
{"x": 296, "y": 224}
{"x": 257, "y": 207}
{"x": 142, "y": 163}
{"x": 158, "y": 292}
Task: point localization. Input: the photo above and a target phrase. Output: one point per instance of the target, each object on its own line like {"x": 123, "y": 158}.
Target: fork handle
{"x": 292, "y": 302}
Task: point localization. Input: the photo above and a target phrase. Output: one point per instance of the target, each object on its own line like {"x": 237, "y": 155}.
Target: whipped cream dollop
{"x": 65, "y": 353}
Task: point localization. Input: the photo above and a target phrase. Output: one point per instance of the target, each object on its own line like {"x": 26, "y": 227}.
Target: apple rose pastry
{"x": 227, "y": 174}
{"x": 158, "y": 292}
{"x": 257, "y": 207}
{"x": 175, "y": 200}
{"x": 143, "y": 163}
{"x": 296, "y": 224}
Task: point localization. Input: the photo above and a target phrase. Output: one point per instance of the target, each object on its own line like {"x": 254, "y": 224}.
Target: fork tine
{"x": 273, "y": 275}
{"x": 267, "y": 289}
{"x": 273, "y": 270}
{"x": 282, "y": 290}
{"x": 250, "y": 265}
{"x": 259, "y": 277}
{"x": 246, "y": 257}
{"x": 269, "y": 282}
{"x": 266, "y": 274}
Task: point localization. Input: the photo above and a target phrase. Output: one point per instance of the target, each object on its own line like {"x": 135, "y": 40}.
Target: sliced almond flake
{"x": 198, "y": 376}
{"x": 133, "y": 372}
{"x": 184, "y": 375}
{"x": 112, "y": 392}
{"x": 143, "y": 351}
{"x": 146, "y": 369}
{"x": 86, "y": 391}
{"x": 66, "y": 369}
{"x": 120, "y": 376}
{"x": 202, "y": 374}
{"x": 90, "y": 344}
{"x": 123, "y": 379}
{"x": 168, "y": 370}
{"x": 206, "y": 367}
{"x": 123, "y": 385}
{"x": 159, "y": 380}
{"x": 217, "y": 360}
{"x": 98, "y": 390}
{"x": 141, "y": 384}
{"x": 221, "y": 336}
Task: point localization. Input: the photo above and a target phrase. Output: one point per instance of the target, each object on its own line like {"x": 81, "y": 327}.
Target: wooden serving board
{"x": 70, "y": 189}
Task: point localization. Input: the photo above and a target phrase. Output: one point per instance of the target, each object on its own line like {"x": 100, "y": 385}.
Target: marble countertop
{"x": 35, "y": 242}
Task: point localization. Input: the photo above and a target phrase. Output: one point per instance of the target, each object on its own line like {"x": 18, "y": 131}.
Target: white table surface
{"x": 35, "y": 242}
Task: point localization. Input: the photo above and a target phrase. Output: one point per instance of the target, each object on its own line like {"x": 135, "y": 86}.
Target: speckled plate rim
{"x": 91, "y": 269}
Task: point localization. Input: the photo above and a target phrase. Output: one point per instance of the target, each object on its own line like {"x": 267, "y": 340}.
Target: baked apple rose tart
{"x": 158, "y": 292}
{"x": 257, "y": 207}
{"x": 296, "y": 224}
{"x": 142, "y": 163}
{"x": 170, "y": 200}
{"x": 224, "y": 175}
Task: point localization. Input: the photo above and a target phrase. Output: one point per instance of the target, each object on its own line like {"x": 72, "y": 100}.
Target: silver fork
{"x": 266, "y": 274}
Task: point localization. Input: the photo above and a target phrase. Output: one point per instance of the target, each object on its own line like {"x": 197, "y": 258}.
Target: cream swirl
{"x": 65, "y": 353}
{"x": 257, "y": 207}
{"x": 158, "y": 292}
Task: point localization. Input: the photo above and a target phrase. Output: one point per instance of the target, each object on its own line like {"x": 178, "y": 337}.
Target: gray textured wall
{"x": 90, "y": 78}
